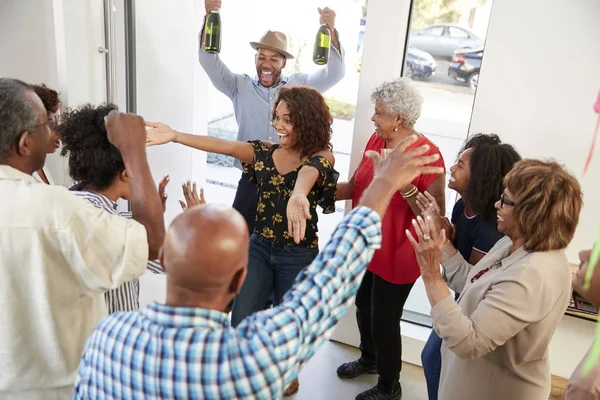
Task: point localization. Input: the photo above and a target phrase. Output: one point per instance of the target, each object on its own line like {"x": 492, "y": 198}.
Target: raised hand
{"x": 191, "y": 196}
{"x": 159, "y": 134}
{"x": 298, "y": 211}
{"x": 210, "y": 5}
{"x": 428, "y": 246}
{"x": 327, "y": 17}
{"x": 125, "y": 131}
{"x": 161, "y": 191}
{"x": 429, "y": 208}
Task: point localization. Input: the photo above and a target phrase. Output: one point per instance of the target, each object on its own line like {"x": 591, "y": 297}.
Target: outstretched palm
{"x": 158, "y": 134}
{"x": 298, "y": 211}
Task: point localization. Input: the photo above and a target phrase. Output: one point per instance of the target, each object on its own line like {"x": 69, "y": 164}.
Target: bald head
{"x": 205, "y": 253}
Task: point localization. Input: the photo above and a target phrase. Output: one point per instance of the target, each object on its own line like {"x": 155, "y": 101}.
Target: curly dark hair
{"x": 310, "y": 116}
{"x": 93, "y": 161}
{"x": 490, "y": 161}
{"x": 49, "y": 97}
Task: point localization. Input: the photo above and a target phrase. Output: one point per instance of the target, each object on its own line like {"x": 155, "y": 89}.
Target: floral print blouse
{"x": 275, "y": 190}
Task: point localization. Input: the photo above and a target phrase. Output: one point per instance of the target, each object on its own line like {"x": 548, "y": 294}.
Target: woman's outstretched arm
{"x": 160, "y": 134}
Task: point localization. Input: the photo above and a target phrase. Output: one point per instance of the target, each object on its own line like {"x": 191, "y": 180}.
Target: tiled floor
{"x": 318, "y": 380}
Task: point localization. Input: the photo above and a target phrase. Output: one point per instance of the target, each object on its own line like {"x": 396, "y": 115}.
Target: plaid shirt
{"x": 127, "y": 296}
{"x": 193, "y": 353}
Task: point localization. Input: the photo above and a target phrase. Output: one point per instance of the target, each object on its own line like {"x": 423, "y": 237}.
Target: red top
{"x": 395, "y": 262}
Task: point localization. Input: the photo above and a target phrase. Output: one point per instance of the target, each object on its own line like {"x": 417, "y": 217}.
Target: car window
{"x": 457, "y": 33}
{"x": 433, "y": 31}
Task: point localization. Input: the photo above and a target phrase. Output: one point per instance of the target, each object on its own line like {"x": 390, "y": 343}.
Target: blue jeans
{"x": 431, "y": 359}
{"x": 271, "y": 267}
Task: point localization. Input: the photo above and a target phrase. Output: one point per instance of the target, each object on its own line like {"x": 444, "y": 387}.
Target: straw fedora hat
{"x": 276, "y": 41}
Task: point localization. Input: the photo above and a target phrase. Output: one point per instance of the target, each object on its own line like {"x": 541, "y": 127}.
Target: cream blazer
{"x": 495, "y": 339}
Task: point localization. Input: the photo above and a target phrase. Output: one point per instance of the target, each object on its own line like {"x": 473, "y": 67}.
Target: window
{"x": 222, "y": 175}
{"x": 458, "y": 33}
{"x": 434, "y": 31}
{"x": 448, "y": 89}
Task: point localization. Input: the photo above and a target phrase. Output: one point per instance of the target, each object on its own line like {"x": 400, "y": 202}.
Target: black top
{"x": 274, "y": 191}
{"x": 472, "y": 232}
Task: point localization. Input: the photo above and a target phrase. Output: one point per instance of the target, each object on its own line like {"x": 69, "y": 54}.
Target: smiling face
{"x": 269, "y": 65}
{"x": 507, "y": 223}
{"x": 283, "y": 125}
{"x": 55, "y": 142}
{"x": 384, "y": 123}
{"x": 461, "y": 173}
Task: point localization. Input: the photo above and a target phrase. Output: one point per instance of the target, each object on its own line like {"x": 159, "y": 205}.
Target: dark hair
{"x": 310, "y": 116}
{"x": 16, "y": 113}
{"x": 93, "y": 161}
{"x": 490, "y": 161}
{"x": 49, "y": 97}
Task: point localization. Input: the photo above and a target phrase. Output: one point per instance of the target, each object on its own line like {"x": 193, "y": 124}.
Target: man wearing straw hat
{"x": 253, "y": 98}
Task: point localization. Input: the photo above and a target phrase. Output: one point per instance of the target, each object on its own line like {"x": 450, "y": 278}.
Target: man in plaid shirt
{"x": 186, "y": 348}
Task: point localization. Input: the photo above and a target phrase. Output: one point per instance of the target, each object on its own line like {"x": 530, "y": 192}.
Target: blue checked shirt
{"x": 127, "y": 296}
{"x": 193, "y": 353}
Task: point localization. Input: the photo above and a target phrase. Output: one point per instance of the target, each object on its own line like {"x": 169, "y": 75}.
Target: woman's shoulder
{"x": 375, "y": 143}
{"x": 424, "y": 140}
{"x": 555, "y": 260}
{"x": 549, "y": 271}
{"x": 326, "y": 154}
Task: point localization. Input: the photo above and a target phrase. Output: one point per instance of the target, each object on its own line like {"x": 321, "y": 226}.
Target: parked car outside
{"x": 442, "y": 40}
{"x": 419, "y": 64}
{"x": 465, "y": 66}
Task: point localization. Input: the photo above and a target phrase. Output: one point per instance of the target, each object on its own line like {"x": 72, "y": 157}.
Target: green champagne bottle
{"x": 322, "y": 45}
{"x": 212, "y": 33}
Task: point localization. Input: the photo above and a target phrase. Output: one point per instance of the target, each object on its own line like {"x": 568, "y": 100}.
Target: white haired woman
{"x": 394, "y": 268}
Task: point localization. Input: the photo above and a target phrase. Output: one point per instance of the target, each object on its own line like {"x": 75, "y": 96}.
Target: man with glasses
{"x": 57, "y": 251}
{"x": 52, "y": 104}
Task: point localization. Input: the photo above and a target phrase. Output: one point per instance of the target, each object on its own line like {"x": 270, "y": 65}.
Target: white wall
{"x": 539, "y": 80}
{"x": 171, "y": 88}
{"x": 537, "y": 87}
{"x": 85, "y": 66}
{"x": 55, "y": 42}
{"x": 27, "y": 42}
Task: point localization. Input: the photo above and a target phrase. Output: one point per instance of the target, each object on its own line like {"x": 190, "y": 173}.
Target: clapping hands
{"x": 430, "y": 209}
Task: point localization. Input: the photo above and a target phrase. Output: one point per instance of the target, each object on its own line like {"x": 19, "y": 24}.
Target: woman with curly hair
{"x": 393, "y": 271}
{"x": 496, "y": 338}
{"x": 52, "y": 105}
{"x": 477, "y": 177}
{"x": 293, "y": 177}
{"x": 99, "y": 171}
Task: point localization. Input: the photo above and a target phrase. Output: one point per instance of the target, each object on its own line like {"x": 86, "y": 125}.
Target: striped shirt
{"x": 194, "y": 353}
{"x": 127, "y": 296}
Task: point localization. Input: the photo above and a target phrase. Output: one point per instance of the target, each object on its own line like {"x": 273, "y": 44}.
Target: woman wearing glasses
{"x": 478, "y": 178}
{"x": 52, "y": 105}
{"x": 495, "y": 339}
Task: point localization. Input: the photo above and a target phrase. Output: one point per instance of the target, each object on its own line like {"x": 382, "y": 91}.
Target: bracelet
{"x": 410, "y": 193}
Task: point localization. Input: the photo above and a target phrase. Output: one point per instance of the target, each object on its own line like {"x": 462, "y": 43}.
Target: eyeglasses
{"x": 504, "y": 200}
{"x": 51, "y": 122}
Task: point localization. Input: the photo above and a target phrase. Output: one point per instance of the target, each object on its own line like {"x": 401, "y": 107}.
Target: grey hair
{"x": 16, "y": 113}
{"x": 400, "y": 97}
